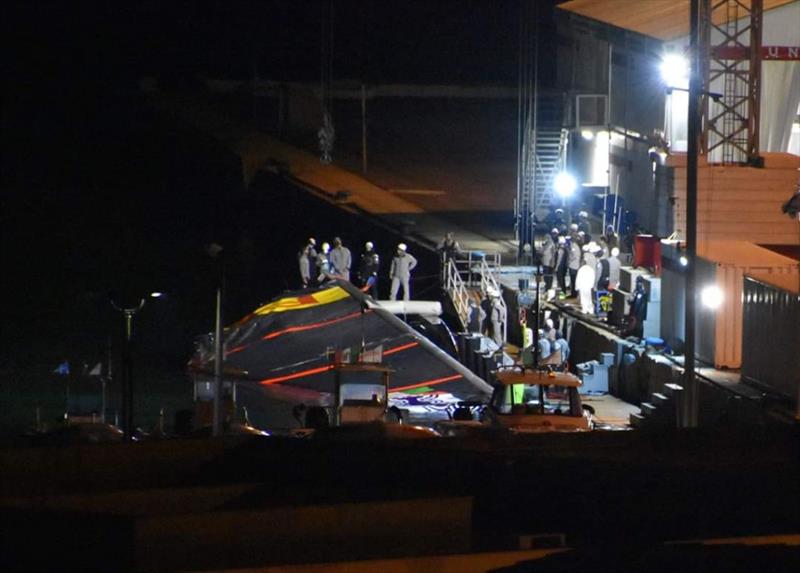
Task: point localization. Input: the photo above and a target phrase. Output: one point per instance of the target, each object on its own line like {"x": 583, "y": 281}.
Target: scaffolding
{"x": 730, "y": 44}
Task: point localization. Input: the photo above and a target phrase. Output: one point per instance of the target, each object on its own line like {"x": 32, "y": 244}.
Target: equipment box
{"x": 627, "y": 277}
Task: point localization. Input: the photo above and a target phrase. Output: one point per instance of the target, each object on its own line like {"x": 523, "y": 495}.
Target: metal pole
{"x": 218, "y": 358}
{"x": 106, "y": 379}
{"x": 609, "y": 124}
{"x": 127, "y": 378}
{"x": 536, "y": 320}
{"x": 363, "y": 128}
{"x": 690, "y": 383}
{"x": 102, "y": 400}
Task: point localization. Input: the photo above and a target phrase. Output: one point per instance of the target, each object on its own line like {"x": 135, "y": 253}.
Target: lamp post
{"x": 216, "y": 427}
{"x": 215, "y": 251}
{"x": 690, "y": 414}
{"x": 128, "y": 314}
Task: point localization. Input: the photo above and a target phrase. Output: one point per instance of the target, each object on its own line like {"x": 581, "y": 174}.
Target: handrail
{"x": 489, "y": 282}
{"x": 456, "y": 288}
{"x": 472, "y": 269}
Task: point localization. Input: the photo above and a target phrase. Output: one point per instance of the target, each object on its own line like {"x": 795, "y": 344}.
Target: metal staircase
{"x": 550, "y": 148}
{"x": 544, "y": 145}
{"x": 470, "y": 276}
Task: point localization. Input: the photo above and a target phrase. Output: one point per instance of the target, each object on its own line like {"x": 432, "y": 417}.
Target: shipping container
{"x": 723, "y": 264}
{"x": 771, "y": 327}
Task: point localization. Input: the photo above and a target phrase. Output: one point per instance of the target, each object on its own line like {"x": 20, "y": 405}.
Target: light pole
{"x": 216, "y": 427}
{"x": 215, "y": 251}
{"x": 691, "y": 405}
{"x": 127, "y": 368}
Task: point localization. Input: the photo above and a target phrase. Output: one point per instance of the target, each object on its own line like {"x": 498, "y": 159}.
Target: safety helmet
{"x": 402, "y": 247}
{"x": 369, "y": 245}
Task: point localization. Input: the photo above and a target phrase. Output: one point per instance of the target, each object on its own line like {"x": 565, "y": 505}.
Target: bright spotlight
{"x": 156, "y": 294}
{"x": 684, "y": 261}
{"x": 565, "y": 184}
{"x": 711, "y": 297}
{"x": 675, "y": 71}
{"x": 587, "y": 134}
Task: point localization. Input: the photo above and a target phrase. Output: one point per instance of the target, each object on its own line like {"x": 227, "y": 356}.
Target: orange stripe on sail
{"x": 300, "y": 374}
{"x": 400, "y": 348}
{"x": 303, "y": 327}
{"x": 427, "y": 383}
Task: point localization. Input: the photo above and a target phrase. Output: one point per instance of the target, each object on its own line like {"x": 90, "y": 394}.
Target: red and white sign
{"x": 767, "y": 52}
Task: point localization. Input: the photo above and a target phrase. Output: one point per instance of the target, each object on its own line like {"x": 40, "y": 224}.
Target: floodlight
{"x": 711, "y": 297}
{"x": 675, "y": 70}
{"x": 587, "y": 134}
{"x": 564, "y": 184}
{"x": 156, "y": 294}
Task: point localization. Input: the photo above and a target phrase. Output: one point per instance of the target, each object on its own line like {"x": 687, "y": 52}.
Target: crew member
{"x": 585, "y": 283}
{"x": 609, "y": 240}
{"x": 324, "y": 264}
{"x": 498, "y": 317}
{"x": 400, "y": 272}
{"x": 341, "y": 260}
{"x": 563, "y": 346}
{"x": 476, "y": 316}
{"x": 614, "y": 265}
{"x": 368, "y": 268}
{"x": 448, "y": 247}
{"x": 543, "y": 346}
{"x": 573, "y": 264}
{"x": 583, "y": 223}
{"x": 306, "y": 259}
{"x": 548, "y": 257}
{"x": 561, "y": 265}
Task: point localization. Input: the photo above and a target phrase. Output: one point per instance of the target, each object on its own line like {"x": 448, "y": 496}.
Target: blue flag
{"x": 62, "y": 369}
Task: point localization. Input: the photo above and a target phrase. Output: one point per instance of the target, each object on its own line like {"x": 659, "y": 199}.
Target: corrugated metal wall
{"x": 719, "y": 332}
{"x": 728, "y": 333}
{"x": 771, "y": 327}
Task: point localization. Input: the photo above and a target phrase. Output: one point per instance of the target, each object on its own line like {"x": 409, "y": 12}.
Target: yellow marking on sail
{"x": 326, "y": 296}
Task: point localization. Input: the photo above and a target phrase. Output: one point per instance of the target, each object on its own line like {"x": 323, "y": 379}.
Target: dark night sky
{"x": 102, "y": 196}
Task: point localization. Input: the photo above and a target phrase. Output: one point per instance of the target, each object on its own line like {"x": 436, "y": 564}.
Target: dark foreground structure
{"x": 615, "y": 501}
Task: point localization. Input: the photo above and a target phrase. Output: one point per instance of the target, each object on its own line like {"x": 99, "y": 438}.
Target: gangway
{"x": 472, "y": 275}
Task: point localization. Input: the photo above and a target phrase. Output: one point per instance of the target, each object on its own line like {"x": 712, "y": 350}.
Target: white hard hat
{"x": 312, "y": 241}
{"x": 325, "y": 247}
{"x": 555, "y": 230}
{"x": 369, "y": 245}
{"x": 562, "y": 240}
{"x": 573, "y": 227}
{"x": 402, "y": 246}
{"x": 583, "y": 214}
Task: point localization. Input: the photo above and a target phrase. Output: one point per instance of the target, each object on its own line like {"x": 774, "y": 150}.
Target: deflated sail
{"x": 289, "y": 342}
